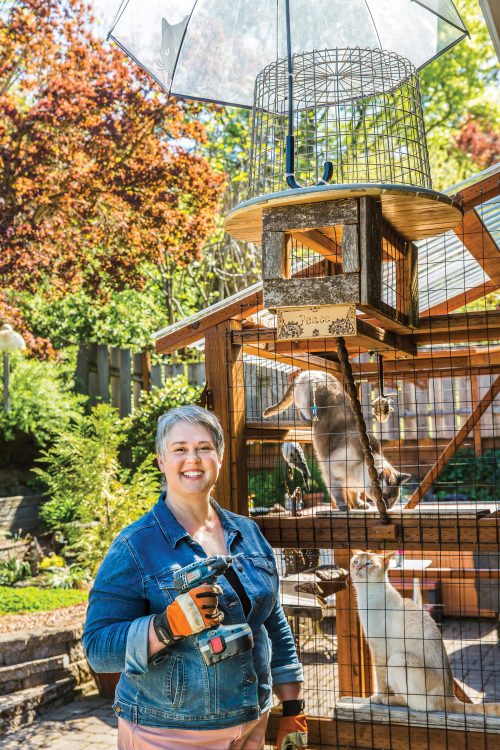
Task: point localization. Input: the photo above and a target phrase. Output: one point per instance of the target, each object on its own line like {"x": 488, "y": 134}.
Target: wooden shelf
{"x": 415, "y": 213}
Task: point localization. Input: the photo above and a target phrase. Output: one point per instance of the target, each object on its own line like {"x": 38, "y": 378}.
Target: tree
{"x": 460, "y": 86}
{"x": 100, "y": 177}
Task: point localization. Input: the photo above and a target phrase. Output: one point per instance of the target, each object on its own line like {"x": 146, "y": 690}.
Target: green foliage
{"x": 471, "y": 475}
{"x": 12, "y": 571}
{"x": 456, "y": 89}
{"x": 32, "y": 599}
{"x": 42, "y": 402}
{"x": 92, "y": 497}
{"x": 268, "y": 487}
{"x": 140, "y": 427}
{"x": 125, "y": 319}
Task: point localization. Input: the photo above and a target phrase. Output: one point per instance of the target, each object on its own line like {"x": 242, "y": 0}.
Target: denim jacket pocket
{"x": 176, "y": 680}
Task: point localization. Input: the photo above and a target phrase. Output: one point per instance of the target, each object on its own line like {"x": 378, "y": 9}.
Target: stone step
{"x": 19, "y": 648}
{"x": 29, "y": 674}
{"x": 23, "y": 706}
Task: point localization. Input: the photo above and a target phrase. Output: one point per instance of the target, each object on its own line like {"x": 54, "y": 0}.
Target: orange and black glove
{"x": 189, "y": 613}
{"x": 292, "y": 730}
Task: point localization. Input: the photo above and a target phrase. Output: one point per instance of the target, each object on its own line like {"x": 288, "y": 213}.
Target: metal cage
{"x": 358, "y": 108}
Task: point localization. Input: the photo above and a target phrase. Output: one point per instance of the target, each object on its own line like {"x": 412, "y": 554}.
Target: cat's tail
{"x": 285, "y": 402}
{"x": 487, "y": 709}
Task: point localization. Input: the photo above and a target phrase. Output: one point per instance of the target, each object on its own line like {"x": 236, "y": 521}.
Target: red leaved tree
{"x": 480, "y": 142}
{"x": 98, "y": 170}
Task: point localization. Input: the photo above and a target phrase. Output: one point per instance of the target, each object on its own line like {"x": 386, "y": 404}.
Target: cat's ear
{"x": 387, "y": 557}
{"x": 403, "y": 478}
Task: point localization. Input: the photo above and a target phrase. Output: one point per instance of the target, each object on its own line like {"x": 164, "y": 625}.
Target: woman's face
{"x": 189, "y": 462}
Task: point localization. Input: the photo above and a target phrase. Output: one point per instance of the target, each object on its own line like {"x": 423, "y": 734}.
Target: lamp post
{"x": 10, "y": 341}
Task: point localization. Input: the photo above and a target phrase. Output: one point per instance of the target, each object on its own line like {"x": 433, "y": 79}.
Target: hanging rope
{"x": 382, "y": 407}
{"x": 351, "y": 391}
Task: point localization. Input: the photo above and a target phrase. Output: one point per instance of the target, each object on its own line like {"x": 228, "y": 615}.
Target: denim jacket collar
{"x": 175, "y": 532}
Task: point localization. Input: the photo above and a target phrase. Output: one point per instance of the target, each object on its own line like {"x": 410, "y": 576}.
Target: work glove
{"x": 292, "y": 732}
{"x": 189, "y": 613}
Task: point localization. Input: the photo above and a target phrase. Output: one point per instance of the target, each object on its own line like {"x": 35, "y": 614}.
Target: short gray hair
{"x": 192, "y": 415}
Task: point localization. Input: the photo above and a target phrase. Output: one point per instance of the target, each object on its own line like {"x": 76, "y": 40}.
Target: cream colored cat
{"x": 409, "y": 656}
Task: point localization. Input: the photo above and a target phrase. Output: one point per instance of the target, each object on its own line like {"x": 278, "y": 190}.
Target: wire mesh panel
{"x": 407, "y": 653}
{"x": 358, "y": 108}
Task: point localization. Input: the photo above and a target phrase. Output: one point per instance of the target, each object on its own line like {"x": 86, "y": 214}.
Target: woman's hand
{"x": 194, "y": 611}
{"x": 189, "y": 613}
{"x": 292, "y": 733}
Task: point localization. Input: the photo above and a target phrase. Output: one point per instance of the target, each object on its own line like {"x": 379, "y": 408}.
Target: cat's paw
{"x": 362, "y": 504}
{"x": 342, "y": 506}
{"x": 378, "y": 698}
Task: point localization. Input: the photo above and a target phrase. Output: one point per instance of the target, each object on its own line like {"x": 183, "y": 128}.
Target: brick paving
{"x": 85, "y": 724}
{"x": 89, "y": 723}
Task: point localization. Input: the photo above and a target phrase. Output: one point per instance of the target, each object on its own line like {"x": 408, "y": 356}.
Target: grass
{"x": 19, "y": 601}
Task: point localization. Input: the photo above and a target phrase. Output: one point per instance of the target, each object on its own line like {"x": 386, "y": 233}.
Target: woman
{"x": 168, "y": 697}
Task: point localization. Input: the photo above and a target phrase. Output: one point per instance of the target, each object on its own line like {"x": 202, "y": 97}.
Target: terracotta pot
{"x": 106, "y": 683}
{"x": 313, "y": 498}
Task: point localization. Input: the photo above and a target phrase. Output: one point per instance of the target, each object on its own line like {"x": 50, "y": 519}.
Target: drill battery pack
{"x": 224, "y": 642}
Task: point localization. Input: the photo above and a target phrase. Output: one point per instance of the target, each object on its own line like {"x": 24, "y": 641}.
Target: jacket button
{"x": 118, "y": 709}
{"x": 251, "y": 678}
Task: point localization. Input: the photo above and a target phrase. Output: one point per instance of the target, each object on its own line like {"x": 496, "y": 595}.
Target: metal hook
{"x": 290, "y": 160}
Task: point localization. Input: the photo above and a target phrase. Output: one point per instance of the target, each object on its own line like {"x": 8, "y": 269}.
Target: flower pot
{"x": 106, "y": 683}
{"x": 313, "y": 498}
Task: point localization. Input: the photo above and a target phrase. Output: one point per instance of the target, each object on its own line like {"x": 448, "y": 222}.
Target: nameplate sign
{"x": 322, "y": 321}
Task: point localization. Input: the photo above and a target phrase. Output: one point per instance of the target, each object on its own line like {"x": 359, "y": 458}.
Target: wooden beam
{"x": 224, "y": 374}
{"x": 455, "y": 443}
{"x": 418, "y": 530}
{"x": 353, "y": 654}
{"x": 368, "y": 337}
{"x": 460, "y": 300}
{"x": 470, "y": 321}
{"x": 320, "y": 243}
{"x": 338, "y": 734}
{"x": 302, "y": 361}
{"x": 242, "y": 306}
{"x": 436, "y": 364}
{"x": 480, "y": 244}
{"x": 482, "y": 191}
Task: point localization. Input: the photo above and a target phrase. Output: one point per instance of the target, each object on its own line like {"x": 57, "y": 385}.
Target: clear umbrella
{"x": 212, "y": 50}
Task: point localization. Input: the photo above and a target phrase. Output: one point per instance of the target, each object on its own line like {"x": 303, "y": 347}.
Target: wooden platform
{"x": 360, "y": 709}
{"x": 429, "y": 527}
{"x": 415, "y": 213}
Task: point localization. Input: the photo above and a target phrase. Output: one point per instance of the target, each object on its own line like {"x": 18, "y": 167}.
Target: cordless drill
{"x": 223, "y": 641}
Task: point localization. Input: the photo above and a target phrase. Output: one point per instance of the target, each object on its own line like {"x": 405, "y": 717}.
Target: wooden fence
{"x": 433, "y": 412}
{"x": 118, "y": 376}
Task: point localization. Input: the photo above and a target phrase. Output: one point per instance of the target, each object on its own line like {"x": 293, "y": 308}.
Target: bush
{"x": 32, "y": 599}
{"x": 42, "y": 402}
{"x": 474, "y": 476}
{"x": 92, "y": 497}
{"x": 268, "y": 487}
{"x": 140, "y": 427}
{"x": 12, "y": 571}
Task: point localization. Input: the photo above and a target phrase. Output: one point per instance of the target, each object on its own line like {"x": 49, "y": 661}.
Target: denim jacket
{"x": 177, "y": 689}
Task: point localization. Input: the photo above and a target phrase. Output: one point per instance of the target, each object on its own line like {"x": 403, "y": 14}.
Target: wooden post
{"x": 370, "y": 250}
{"x": 146, "y": 370}
{"x": 82, "y": 369}
{"x": 103, "y": 372}
{"x": 125, "y": 382}
{"x": 447, "y": 454}
{"x": 225, "y": 383}
{"x": 353, "y": 655}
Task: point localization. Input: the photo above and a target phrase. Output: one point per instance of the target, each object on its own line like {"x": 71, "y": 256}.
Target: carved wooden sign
{"x": 321, "y": 321}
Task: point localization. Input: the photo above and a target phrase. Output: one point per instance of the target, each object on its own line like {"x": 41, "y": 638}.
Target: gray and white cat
{"x": 407, "y": 649}
{"x": 336, "y": 441}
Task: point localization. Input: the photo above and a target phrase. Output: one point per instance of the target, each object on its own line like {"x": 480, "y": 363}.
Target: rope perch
{"x": 350, "y": 388}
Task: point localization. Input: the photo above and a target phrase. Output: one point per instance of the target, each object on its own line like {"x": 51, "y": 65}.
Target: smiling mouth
{"x": 192, "y": 474}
